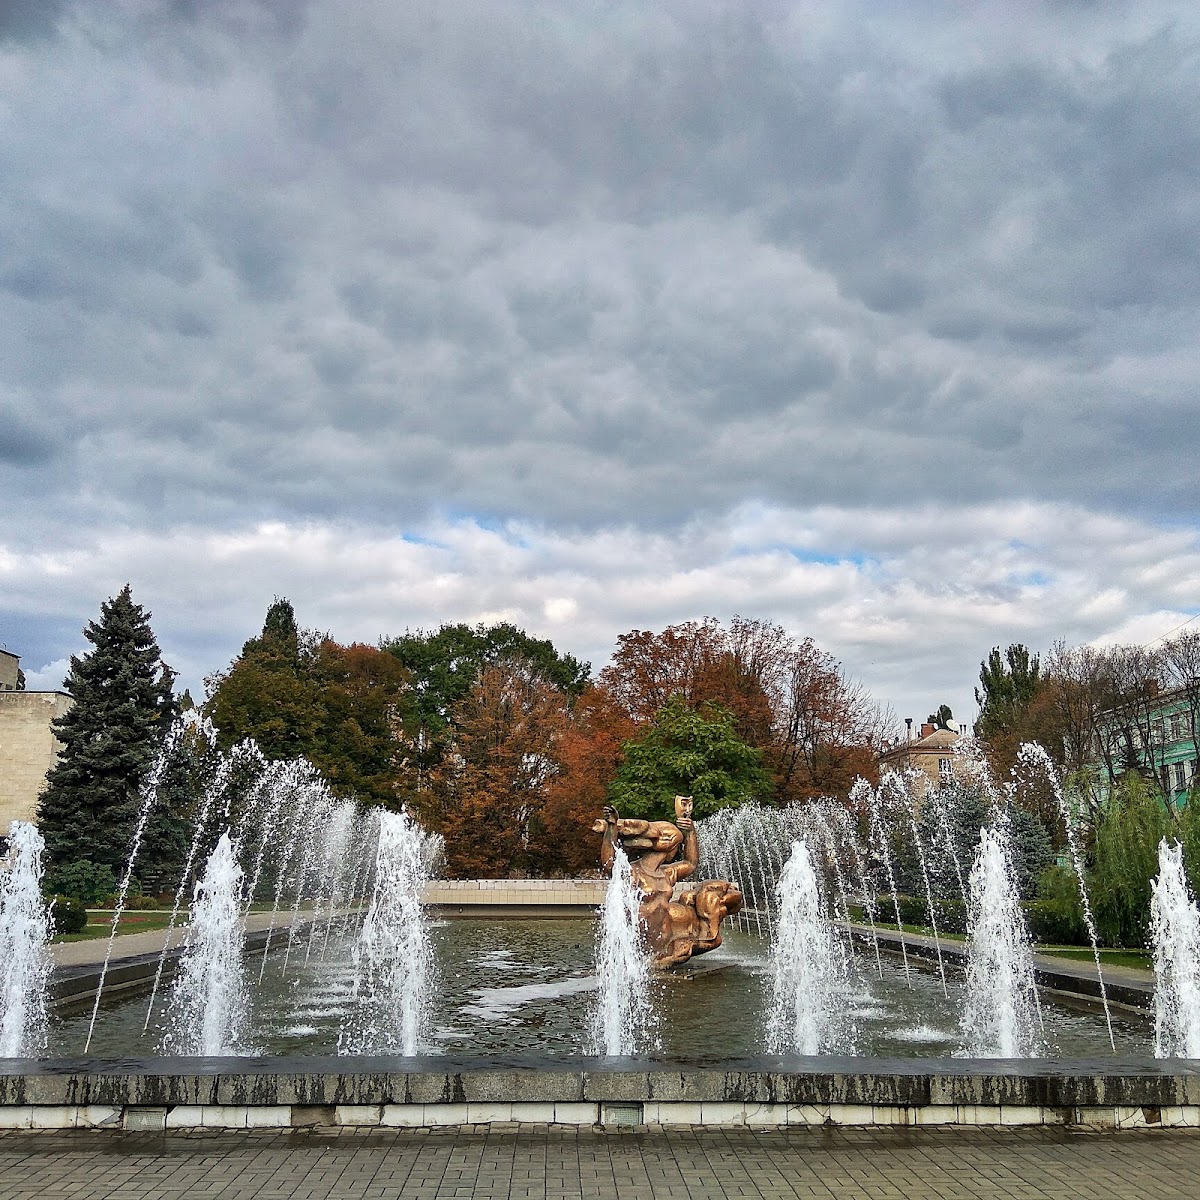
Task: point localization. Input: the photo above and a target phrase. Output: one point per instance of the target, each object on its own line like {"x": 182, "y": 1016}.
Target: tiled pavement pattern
{"x": 495, "y": 1162}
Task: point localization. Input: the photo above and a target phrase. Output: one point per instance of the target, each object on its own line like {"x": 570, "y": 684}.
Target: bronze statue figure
{"x": 679, "y": 920}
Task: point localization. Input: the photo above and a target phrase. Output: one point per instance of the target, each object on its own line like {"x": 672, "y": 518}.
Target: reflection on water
{"x": 525, "y": 986}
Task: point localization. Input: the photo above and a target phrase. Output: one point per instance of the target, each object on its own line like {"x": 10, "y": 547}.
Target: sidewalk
{"x": 504, "y": 1163}
{"x": 90, "y": 953}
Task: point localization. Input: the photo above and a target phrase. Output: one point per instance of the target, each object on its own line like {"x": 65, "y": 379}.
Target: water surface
{"x": 525, "y": 986}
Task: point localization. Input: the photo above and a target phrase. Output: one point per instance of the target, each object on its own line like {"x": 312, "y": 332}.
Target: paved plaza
{"x": 689, "y": 1164}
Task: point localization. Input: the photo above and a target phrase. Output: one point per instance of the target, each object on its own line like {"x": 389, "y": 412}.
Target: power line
{"x": 1163, "y": 636}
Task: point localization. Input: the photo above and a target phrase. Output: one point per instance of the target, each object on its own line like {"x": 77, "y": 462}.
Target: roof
{"x": 939, "y": 739}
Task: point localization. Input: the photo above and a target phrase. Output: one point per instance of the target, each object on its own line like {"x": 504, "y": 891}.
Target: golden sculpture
{"x": 678, "y": 920}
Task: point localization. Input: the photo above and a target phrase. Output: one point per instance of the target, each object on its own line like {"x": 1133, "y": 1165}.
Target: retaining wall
{"x": 297, "y": 1092}
{"x": 514, "y": 897}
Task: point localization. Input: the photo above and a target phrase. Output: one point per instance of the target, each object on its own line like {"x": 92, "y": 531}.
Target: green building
{"x": 1155, "y": 734}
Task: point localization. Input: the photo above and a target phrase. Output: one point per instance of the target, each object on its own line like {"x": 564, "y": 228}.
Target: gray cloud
{"x": 468, "y": 246}
{"x": 592, "y": 267}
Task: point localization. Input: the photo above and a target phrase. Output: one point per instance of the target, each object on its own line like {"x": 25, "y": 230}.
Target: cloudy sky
{"x": 878, "y": 320}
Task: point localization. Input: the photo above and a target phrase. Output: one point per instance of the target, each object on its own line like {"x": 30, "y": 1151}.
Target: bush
{"x": 1054, "y": 925}
{"x": 951, "y": 914}
{"x": 142, "y": 903}
{"x": 1056, "y": 916}
{"x": 84, "y": 880}
{"x": 69, "y": 915}
{"x": 1187, "y": 830}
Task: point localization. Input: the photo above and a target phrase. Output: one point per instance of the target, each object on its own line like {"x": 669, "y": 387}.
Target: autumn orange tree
{"x": 590, "y": 752}
{"x": 816, "y": 729}
{"x": 489, "y": 792}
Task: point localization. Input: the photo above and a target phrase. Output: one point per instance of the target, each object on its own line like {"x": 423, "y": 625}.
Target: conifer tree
{"x": 110, "y": 736}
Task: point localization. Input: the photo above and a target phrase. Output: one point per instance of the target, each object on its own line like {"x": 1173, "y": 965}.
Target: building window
{"x": 1181, "y": 777}
{"x": 945, "y": 769}
{"x": 1176, "y": 726}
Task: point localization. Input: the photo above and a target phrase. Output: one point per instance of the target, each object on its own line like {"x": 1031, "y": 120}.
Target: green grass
{"x": 142, "y": 920}
{"x": 1142, "y": 960}
{"x": 923, "y": 930}
{"x": 886, "y": 926}
{"x": 136, "y": 921}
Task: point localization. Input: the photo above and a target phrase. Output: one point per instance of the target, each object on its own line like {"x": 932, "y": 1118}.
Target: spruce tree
{"x": 110, "y": 736}
{"x": 168, "y": 832}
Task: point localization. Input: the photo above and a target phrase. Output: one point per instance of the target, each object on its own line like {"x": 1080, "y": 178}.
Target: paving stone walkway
{"x": 698, "y": 1164}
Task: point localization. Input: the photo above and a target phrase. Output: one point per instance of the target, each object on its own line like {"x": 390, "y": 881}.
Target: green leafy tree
{"x": 267, "y": 694}
{"x": 110, "y": 737}
{"x": 1008, "y": 686}
{"x": 1125, "y": 859}
{"x": 298, "y": 695}
{"x": 82, "y": 880}
{"x": 691, "y": 752}
{"x": 365, "y": 706}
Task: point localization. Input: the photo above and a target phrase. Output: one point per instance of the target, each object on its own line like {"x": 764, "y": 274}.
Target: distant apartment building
{"x": 10, "y": 671}
{"x": 1156, "y": 735}
{"x": 28, "y": 747}
{"x": 931, "y": 753}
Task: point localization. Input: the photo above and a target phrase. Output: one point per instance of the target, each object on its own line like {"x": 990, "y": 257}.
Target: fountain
{"x": 1001, "y": 1018}
{"x": 208, "y": 1012}
{"x": 622, "y": 1017}
{"x": 24, "y": 933}
{"x": 1034, "y": 755}
{"x": 392, "y": 957}
{"x": 753, "y": 930}
{"x": 1175, "y": 922}
{"x": 810, "y": 992}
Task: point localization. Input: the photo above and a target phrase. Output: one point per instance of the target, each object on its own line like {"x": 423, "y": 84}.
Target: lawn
{"x": 142, "y": 920}
{"x": 1142, "y": 960}
{"x": 135, "y": 921}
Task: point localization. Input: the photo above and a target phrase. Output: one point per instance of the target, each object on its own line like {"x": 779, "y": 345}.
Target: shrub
{"x": 1187, "y": 830}
{"x": 84, "y": 880}
{"x": 142, "y": 903}
{"x": 951, "y": 914}
{"x": 69, "y": 915}
{"x": 1055, "y": 925}
{"x": 1056, "y": 916}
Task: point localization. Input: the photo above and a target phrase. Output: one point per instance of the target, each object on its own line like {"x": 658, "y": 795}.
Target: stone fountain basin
{"x": 168, "y": 1093}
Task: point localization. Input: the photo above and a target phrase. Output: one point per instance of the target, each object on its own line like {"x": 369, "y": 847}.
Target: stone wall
{"x": 28, "y": 749}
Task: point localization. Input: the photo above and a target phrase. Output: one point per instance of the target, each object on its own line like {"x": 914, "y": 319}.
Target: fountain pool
{"x": 526, "y": 987}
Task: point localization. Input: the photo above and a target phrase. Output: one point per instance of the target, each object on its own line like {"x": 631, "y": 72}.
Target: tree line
{"x": 497, "y": 740}
{"x": 1097, "y": 710}
{"x": 1106, "y": 715}
{"x": 508, "y": 747}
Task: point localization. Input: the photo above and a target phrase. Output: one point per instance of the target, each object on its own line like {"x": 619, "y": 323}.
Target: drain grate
{"x": 144, "y": 1118}
{"x": 621, "y": 1114}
